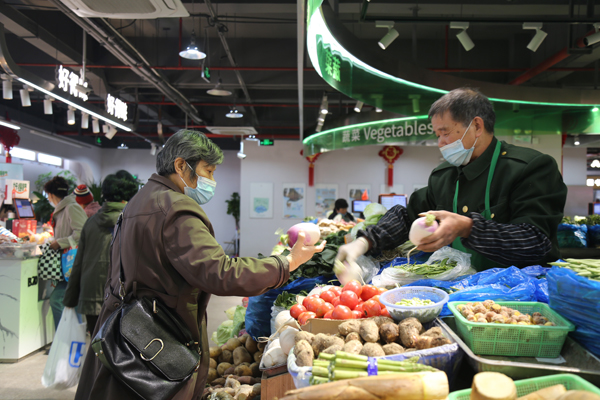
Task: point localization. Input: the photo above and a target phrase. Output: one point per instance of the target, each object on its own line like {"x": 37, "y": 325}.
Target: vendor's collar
{"x": 481, "y": 163}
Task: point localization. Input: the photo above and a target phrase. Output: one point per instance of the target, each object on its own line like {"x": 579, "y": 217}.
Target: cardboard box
{"x": 24, "y": 227}
{"x": 14, "y": 188}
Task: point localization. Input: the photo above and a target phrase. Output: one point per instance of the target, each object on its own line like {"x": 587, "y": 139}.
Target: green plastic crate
{"x": 526, "y": 386}
{"x": 514, "y": 340}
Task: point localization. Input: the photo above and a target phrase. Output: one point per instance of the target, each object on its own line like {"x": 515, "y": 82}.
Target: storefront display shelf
{"x": 577, "y": 360}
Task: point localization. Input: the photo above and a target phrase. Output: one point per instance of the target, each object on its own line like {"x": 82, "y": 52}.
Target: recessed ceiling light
{"x": 234, "y": 113}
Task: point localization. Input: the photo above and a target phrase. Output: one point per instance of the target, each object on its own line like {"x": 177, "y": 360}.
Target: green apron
{"x": 478, "y": 261}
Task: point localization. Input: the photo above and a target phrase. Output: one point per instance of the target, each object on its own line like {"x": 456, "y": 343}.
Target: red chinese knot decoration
{"x": 9, "y": 139}
{"x": 390, "y": 154}
{"x": 311, "y": 167}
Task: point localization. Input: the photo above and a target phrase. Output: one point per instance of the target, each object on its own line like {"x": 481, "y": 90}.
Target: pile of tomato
{"x": 352, "y": 301}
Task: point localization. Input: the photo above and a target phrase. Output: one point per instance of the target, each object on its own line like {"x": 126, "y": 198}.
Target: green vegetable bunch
{"x": 287, "y": 300}
{"x": 429, "y": 270}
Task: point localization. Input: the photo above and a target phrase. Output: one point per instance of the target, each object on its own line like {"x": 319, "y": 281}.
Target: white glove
{"x": 346, "y": 267}
{"x": 301, "y": 253}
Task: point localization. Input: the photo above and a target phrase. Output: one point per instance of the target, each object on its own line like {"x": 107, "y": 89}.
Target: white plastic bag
{"x": 390, "y": 277}
{"x": 67, "y": 352}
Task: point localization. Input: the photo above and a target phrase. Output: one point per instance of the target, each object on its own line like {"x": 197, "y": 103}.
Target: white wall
{"x": 283, "y": 163}
{"x": 143, "y": 165}
{"x": 575, "y": 165}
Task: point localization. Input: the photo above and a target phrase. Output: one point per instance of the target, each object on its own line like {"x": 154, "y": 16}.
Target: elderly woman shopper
{"x": 88, "y": 276}
{"x": 168, "y": 251}
{"x": 68, "y": 219}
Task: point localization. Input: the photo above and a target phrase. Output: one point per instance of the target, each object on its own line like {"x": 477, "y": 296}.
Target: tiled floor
{"x": 22, "y": 380}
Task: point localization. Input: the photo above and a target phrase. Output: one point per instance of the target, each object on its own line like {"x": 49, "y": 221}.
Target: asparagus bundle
{"x": 342, "y": 365}
{"x": 395, "y": 386}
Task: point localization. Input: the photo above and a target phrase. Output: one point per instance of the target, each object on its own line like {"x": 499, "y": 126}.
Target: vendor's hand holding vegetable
{"x": 450, "y": 227}
{"x": 346, "y": 267}
{"x": 301, "y": 253}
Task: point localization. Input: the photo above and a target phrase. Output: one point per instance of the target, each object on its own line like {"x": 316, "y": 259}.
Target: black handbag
{"x": 146, "y": 346}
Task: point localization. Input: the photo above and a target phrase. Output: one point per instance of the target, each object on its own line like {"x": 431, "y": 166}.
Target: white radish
{"x": 287, "y": 339}
{"x": 421, "y": 228}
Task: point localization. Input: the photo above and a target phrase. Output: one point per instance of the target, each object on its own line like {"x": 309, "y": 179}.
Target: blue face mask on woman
{"x": 204, "y": 190}
{"x": 455, "y": 152}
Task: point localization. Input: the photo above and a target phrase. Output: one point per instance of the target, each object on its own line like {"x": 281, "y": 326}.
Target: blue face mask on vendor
{"x": 455, "y": 152}
{"x": 204, "y": 190}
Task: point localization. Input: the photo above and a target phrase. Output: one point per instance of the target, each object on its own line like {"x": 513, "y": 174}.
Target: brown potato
{"x": 389, "y": 332}
{"x": 243, "y": 370}
{"x": 212, "y": 375}
{"x": 353, "y": 347}
{"x": 261, "y": 346}
{"x": 332, "y": 349}
{"x": 243, "y": 338}
{"x": 372, "y": 350}
{"x": 251, "y": 345}
{"x": 369, "y": 331}
{"x": 393, "y": 348}
{"x": 215, "y": 352}
{"x": 350, "y": 326}
{"x": 301, "y": 335}
{"x": 221, "y": 368}
{"x": 254, "y": 367}
{"x": 257, "y": 356}
{"x": 304, "y": 354}
{"x": 212, "y": 363}
{"x": 240, "y": 355}
{"x": 226, "y": 356}
{"x": 353, "y": 336}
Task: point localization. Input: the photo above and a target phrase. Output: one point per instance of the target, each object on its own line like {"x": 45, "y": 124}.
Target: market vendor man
{"x": 500, "y": 203}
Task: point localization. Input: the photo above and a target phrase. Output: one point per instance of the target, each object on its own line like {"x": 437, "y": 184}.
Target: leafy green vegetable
{"x": 231, "y": 327}
{"x": 374, "y": 209}
{"x": 286, "y": 300}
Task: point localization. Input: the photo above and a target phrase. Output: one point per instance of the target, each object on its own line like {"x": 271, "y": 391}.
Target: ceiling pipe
{"x": 547, "y": 63}
{"x": 124, "y": 51}
{"x": 300, "y": 39}
{"x": 178, "y": 68}
{"x": 231, "y": 60}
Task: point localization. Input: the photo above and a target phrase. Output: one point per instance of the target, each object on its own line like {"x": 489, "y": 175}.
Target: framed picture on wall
{"x": 294, "y": 198}
{"x": 261, "y": 200}
{"x": 325, "y": 197}
{"x": 360, "y": 192}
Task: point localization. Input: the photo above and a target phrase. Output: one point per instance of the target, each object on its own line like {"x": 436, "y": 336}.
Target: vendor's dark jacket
{"x": 85, "y": 289}
{"x": 527, "y": 188}
{"x": 169, "y": 251}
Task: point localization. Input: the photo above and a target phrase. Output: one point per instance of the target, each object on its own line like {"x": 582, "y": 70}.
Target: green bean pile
{"x": 429, "y": 270}
{"x": 586, "y": 267}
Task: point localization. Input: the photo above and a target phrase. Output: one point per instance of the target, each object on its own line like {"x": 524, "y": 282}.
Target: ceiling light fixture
{"x": 122, "y": 147}
{"x": 234, "y": 113}
{"x": 253, "y": 138}
{"x": 392, "y": 34}
{"x": 7, "y": 90}
{"x": 576, "y": 141}
{"x": 416, "y": 106}
{"x": 48, "y": 105}
{"x": 241, "y": 154}
{"x": 593, "y": 38}
{"x": 218, "y": 91}
{"x": 192, "y": 52}
{"x": 358, "y": 107}
{"x": 153, "y": 149}
{"x": 463, "y": 36}
{"x": 9, "y": 125}
{"x": 378, "y": 110}
{"x": 95, "y": 125}
{"x": 85, "y": 120}
{"x": 539, "y": 36}
{"x": 112, "y": 131}
{"x": 324, "y": 105}
{"x": 159, "y": 128}
{"x": 25, "y": 99}
{"x": 595, "y": 109}
{"x": 71, "y": 116}
{"x": 77, "y": 106}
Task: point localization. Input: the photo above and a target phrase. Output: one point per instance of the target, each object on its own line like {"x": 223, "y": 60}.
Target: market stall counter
{"x": 26, "y": 322}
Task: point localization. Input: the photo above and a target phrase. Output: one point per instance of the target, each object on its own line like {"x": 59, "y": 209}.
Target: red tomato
{"x": 372, "y": 308}
{"x": 385, "y": 313}
{"x": 357, "y": 314}
{"x": 305, "y": 316}
{"x": 376, "y": 298}
{"x": 314, "y": 303}
{"x": 307, "y": 299}
{"x": 353, "y": 286}
{"x": 341, "y": 312}
{"x": 324, "y": 309}
{"x": 382, "y": 290}
{"x": 368, "y": 291}
{"x": 328, "y": 315}
{"x": 328, "y": 295}
{"x": 349, "y": 299}
{"x": 336, "y": 301}
{"x": 360, "y": 307}
{"x": 337, "y": 290}
{"x": 296, "y": 310}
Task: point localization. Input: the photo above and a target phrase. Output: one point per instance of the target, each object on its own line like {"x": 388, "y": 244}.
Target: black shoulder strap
{"x": 122, "y": 292}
